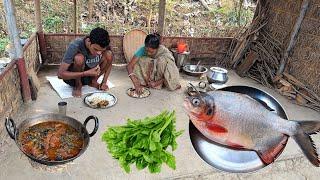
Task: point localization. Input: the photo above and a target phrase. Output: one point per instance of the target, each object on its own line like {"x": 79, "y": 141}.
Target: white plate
{"x": 98, "y": 99}
{"x": 145, "y": 93}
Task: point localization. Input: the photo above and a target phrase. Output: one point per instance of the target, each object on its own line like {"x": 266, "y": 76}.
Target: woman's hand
{"x": 138, "y": 88}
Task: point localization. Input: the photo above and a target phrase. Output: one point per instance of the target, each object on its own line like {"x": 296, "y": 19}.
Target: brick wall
{"x": 305, "y": 61}
{"x": 199, "y": 47}
{"x": 207, "y": 49}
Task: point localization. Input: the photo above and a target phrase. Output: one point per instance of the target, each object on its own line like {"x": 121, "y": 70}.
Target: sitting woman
{"x": 153, "y": 66}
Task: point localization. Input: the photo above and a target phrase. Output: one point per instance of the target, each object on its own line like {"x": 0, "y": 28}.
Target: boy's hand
{"x": 103, "y": 87}
{"x": 93, "y": 71}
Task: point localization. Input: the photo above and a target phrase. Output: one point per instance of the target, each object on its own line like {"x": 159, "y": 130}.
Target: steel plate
{"x": 112, "y": 100}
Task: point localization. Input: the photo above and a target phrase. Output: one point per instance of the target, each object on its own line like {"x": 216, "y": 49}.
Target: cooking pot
{"x": 192, "y": 71}
{"x": 14, "y": 131}
{"x": 217, "y": 75}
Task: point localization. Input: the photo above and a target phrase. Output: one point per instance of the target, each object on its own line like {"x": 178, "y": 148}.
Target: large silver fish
{"x": 238, "y": 121}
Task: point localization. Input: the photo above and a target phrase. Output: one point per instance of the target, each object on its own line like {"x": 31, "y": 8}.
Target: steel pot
{"x": 192, "y": 71}
{"x": 14, "y": 131}
{"x": 217, "y": 75}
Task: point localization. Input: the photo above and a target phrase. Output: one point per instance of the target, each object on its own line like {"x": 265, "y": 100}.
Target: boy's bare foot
{"x": 76, "y": 92}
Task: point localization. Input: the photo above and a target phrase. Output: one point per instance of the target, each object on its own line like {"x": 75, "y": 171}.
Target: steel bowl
{"x": 217, "y": 75}
{"x": 191, "y": 70}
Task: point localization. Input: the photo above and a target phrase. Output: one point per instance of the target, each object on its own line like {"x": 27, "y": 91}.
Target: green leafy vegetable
{"x": 144, "y": 142}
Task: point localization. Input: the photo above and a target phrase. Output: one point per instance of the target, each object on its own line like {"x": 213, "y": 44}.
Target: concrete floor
{"x": 96, "y": 162}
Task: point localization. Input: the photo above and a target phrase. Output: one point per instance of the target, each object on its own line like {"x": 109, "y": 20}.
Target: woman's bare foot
{"x": 179, "y": 87}
{"x": 76, "y": 92}
{"x": 158, "y": 87}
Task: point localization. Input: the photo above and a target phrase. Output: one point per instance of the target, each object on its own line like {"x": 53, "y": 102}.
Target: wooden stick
{"x": 258, "y": 29}
{"x": 204, "y": 3}
{"x": 294, "y": 36}
{"x": 306, "y": 97}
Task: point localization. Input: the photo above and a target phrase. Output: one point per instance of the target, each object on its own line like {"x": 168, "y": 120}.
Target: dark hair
{"x": 99, "y": 36}
{"x": 152, "y": 40}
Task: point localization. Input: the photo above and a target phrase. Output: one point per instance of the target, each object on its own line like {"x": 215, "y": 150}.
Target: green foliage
{"x": 229, "y": 16}
{"x": 53, "y": 23}
{"x": 30, "y": 28}
{"x": 89, "y": 27}
{"x": 144, "y": 142}
{"x": 3, "y": 43}
{"x": 183, "y": 18}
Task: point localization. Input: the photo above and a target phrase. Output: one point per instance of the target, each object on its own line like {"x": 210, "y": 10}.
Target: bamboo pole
{"x": 161, "y": 18}
{"x": 12, "y": 29}
{"x": 293, "y": 36}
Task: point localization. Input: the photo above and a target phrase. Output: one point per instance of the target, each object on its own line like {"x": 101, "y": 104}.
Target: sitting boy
{"x": 85, "y": 60}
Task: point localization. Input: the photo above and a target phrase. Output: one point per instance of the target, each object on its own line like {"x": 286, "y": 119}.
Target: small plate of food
{"x": 132, "y": 93}
{"x": 101, "y": 100}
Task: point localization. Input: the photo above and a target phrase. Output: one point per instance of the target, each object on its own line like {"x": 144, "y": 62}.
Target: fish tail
{"x": 310, "y": 127}
{"x": 302, "y": 137}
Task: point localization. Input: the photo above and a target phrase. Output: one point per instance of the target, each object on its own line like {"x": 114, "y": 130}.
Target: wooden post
{"x": 150, "y": 16}
{"x": 42, "y": 43}
{"x": 38, "y": 15}
{"x": 293, "y": 36}
{"x": 161, "y": 18}
{"x": 90, "y": 8}
{"x": 74, "y": 16}
{"x": 18, "y": 52}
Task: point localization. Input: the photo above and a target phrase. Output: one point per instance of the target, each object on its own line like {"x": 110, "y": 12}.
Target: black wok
{"x": 14, "y": 131}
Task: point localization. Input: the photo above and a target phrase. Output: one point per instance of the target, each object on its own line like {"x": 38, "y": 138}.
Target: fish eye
{"x": 209, "y": 111}
{"x": 196, "y": 101}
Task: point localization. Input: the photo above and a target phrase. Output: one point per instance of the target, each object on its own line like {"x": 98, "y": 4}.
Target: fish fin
{"x": 264, "y": 104}
{"x": 234, "y": 145}
{"x": 309, "y": 127}
{"x": 216, "y": 128}
{"x": 269, "y": 155}
{"x": 307, "y": 146}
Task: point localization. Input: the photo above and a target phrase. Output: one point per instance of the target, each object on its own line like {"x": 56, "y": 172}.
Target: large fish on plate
{"x": 238, "y": 121}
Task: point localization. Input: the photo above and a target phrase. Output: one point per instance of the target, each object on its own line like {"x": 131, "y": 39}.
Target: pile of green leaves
{"x": 144, "y": 142}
